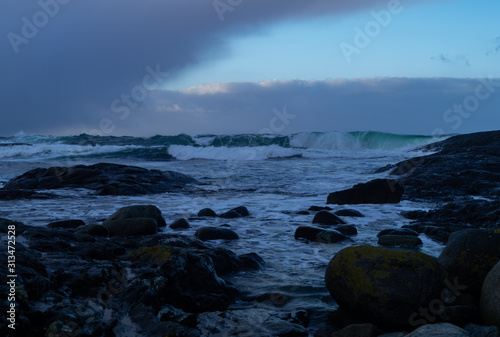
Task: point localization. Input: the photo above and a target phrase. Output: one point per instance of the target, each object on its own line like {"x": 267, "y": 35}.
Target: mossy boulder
{"x": 469, "y": 255}
{"x": 383, "y": 286}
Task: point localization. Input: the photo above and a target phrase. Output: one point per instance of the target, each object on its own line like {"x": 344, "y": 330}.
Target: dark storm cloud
{"x": 65, "y": 61}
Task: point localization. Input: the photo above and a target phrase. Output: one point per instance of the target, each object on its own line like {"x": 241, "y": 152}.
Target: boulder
{"x": 138, "y": 211}
{"x": 307, "y": 232}
{"x": 347, "y": 230}
{"x": 330, "y": 236}
{"x": 383, "y": 286}
{"x": 93, "y": 229}
{"x": 319, "y": 235}
{"x": 134, "y": 226}
{"x": 379, "y": 191}
{"x": 104, "y": 178}
{"x": 490, "y": 297}
{"x": 215, "y": 233}
{"x": 399, "y": 241}
{"x": 327, "y": 218}
{"x": 179, "y": 223}
{"x": 439, "y": 330}
{"x": 349, "y": 212}
{"x": 237, "y": 212}
{"x": 207, "y": 212}
{"x": 66, "y": 224}
{"x": 401, "y": 231}
{"x": 469, "y": 255}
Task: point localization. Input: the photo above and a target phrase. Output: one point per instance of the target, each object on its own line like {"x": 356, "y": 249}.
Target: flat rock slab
{"x": 104, "y": 178}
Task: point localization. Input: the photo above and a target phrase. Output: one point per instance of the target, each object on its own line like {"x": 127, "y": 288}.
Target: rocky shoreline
{"x": 100, "y": 279}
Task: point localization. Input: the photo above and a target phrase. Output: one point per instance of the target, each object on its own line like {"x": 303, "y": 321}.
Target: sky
{"x": 127, "y": 67}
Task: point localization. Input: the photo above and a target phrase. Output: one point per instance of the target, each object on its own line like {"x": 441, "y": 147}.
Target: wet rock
{"x": 66, "y": 224}
{"x": 104, "y": 178}
{"x": 138, "y": 211}
{"x": 330, "y": 236}
{"x": 349, "y": 212}
{"x": 465, "y": 165}
{"x": 462, "y": 212}
{"x": 439, "y": 330}
{"x": 238, "y": 212}
{"x": 19, "y": 227}
{"x": 180, "y": 224}
{"x": 93, "y": 229}
{"x": 251, "y": 261}
{"x": 469, "y": 255}
{"x": 302, "y": 213}
{"x": 379, "y": 191}
{"x": 187, "y": 281}
{"x": 399, "y": 241}
{"x": 134, "y": 226}
{"x": 207, "y": 212}
{"x": 319, "y": 208}
{"x": 401, "y": 231}
{"x": 437, "y": 233}
{"x": 358, "y": 330}
{"x": 490, "y": 297}
{"x": 306, "y": 232}
{"x": 347, "y": 230}
{"x": 327, "y": 218}
{"x": 215, "y": 233}
{"x": 383, "y": 286}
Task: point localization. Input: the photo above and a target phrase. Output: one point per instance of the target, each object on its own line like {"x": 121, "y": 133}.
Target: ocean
{"x": 274, "y": 176}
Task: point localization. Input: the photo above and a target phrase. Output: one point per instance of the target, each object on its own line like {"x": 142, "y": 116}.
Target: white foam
{"x": 183, "y": 152}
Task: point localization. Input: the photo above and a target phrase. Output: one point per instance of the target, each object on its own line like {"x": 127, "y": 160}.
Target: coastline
{"x": 46, "y": 283}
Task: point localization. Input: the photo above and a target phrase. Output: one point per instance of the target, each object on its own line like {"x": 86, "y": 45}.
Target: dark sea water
{"x": 273, "y": 176}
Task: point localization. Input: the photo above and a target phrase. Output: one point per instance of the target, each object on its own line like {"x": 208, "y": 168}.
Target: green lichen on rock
{"x": 383, "y": 285}
{"x": 156, "y": 254}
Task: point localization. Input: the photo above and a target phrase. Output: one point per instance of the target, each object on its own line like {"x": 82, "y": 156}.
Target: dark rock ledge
{"x": 104, "y": 178}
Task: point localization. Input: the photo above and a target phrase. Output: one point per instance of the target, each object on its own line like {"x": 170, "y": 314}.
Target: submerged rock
{"x": 379, "y": 191}
{"x": 104, "y": 178}
{"x": 383, "y": 286}
{"x": 215, "y": 233}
